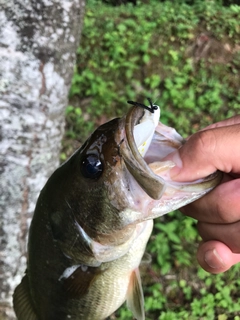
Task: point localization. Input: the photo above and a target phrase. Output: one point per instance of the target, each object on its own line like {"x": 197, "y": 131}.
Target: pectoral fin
{"x": 135, "y": 299}
{"x": 146, "y": 259}
{"x": 79, "y": 282}
{"x": 22, "y": 301}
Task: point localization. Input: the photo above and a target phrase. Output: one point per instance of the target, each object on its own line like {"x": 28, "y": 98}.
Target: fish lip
{"x": 151, "y": 183}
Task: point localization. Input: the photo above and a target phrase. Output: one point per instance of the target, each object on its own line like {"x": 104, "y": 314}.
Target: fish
{"x": 94, "y": 217}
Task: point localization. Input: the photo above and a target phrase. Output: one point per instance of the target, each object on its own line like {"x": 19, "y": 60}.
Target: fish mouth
{"x": 149, "y": 142}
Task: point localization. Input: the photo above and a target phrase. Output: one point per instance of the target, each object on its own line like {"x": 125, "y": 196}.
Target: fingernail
{"x": 213, "y": 259}
{"x": 175, "y": 157}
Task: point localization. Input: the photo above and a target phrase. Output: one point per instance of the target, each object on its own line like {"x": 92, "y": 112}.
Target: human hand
{"x": 217, "y": 147}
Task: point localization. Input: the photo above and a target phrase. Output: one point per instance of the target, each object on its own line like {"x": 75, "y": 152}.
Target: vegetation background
{"x": 185, "y": 55}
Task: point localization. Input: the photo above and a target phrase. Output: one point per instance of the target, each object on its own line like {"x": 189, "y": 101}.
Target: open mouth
{"x": 150, "y": 142}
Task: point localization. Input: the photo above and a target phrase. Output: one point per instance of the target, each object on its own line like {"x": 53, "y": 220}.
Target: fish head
{"x": 117, "y": 180}
{"x": 86, "y": 195}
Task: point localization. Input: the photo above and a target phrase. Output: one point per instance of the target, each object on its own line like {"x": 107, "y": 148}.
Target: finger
{"x": 215, "y": 257}
{"x": 206, "y": 152}
{"x": 221, "y": 205}
{"x": 225, "y": 233}
{"x": 227, "y": 122}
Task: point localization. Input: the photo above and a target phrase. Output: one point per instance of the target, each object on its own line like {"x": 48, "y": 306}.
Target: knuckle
{"x": 220, "y": 212}
{"x": 206, "y": 141}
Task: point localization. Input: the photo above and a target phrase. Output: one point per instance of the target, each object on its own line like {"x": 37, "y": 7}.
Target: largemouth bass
{"x": 94, "y": 217}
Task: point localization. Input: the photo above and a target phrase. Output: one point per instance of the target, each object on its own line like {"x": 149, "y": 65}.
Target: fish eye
{"x": 91, "y": 166}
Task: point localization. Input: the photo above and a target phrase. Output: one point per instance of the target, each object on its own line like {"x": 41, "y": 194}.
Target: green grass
{"x": 187, "y": 59}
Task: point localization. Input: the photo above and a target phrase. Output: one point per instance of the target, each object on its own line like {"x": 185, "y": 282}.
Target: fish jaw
{"x": 155, "y": 192}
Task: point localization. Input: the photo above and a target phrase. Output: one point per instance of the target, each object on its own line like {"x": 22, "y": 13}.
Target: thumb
{"x": 207, "y": 151}
{"x": 215, "y": 257}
